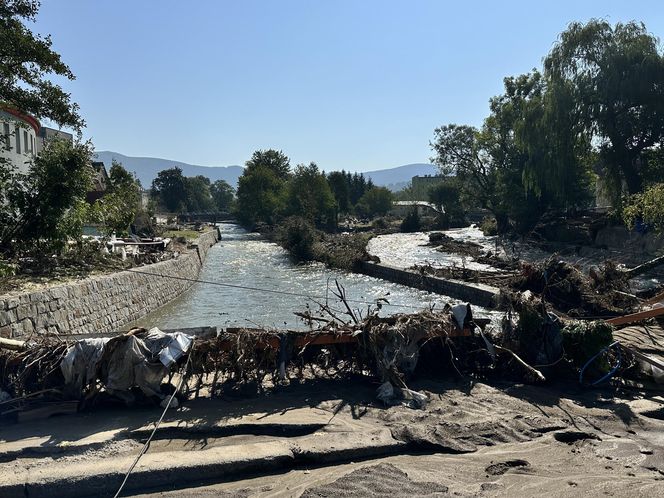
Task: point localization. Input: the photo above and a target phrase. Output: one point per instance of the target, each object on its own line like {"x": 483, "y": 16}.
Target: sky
{"x": 351, "y": 84}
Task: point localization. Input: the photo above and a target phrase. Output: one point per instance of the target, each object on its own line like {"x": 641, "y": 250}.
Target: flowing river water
{"x": 245, "y": 259}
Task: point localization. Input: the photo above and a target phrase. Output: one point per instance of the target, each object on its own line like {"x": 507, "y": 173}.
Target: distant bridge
{"x": 423, "y": 207}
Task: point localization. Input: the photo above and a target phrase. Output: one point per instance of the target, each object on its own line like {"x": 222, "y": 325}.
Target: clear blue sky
{"x": 348, "y": 84}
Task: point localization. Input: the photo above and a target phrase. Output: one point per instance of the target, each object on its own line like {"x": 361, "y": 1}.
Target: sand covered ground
{"x": 331, "y": 438}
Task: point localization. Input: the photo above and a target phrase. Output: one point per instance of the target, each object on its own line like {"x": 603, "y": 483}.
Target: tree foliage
{"x": 223, "y": 195}
{"x": 42, "y": 208}
{"x": 646, "y": 208}
{"x": 27, "y": 63}
{"x": 447, "y": 197}
{"x": 310, "y": 196}
{"x": 116, "y": 210}
{"x": 198, "y": 194}
{"x": 612, "y": 79}
{"x": 377, "y": 201}
{"x": 341, "y": 189}
{"x": 274, "y": 160}
{"x": 169, "y": 189}
{"x": 261, "y": 191}
{"x": 261, "y": 196}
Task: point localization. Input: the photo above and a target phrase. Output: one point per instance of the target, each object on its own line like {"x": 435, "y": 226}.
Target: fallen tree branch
{"x": 538, "y": 375}
{"x": 645, "y": 267}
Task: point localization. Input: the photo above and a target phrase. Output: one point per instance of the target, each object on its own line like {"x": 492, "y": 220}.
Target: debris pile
{"x": 532, "y": 344}
{"x": 604, "y": 292}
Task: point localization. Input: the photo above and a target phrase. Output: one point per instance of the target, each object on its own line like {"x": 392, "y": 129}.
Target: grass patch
{"x": 187, "y": 234}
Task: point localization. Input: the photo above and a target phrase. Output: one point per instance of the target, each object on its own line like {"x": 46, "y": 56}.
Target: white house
{"x": 19, "y": 134}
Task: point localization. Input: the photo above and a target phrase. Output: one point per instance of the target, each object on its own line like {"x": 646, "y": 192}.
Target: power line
{"x": 271, "y": 291}
{"x": 146, "y": 446}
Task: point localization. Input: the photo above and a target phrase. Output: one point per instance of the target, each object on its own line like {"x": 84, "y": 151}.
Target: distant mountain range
{"x": 146, "y": 169}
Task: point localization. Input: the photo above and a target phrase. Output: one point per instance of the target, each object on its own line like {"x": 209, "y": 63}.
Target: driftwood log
{"x": 12, "y": 344}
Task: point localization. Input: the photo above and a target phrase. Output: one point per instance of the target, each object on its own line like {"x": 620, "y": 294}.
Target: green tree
{"x": 549, "y": 132}
{"x": 377, "y": 201}
{"x": 198, "y": 194}
{"x": 447, "y": 197}
{"x": 169, "y": 189}
{"x": 27, "y": 64}
{"x": 646, "y": 207}
{"x": 412, "y": 222}
{"x": 34, "y": 207}
{"x": 341, "y": 190}
{"x": 116, "y": 210}
{"x": 261, "y": 196}
{"x": 614, "y": 76}
{"x": 462, "y": 151}
{"x": 310, "y": 196}
{"x": 273, "y": 160}
{"x": 357, "y": 185}
{"x": 527, "y": 158}
{"x": 261, "y": 191}
{"x": 119, "y": 179}
{"x": 223, "y": 195}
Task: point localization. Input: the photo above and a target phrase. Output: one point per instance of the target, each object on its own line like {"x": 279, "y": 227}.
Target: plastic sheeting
{"x": 124, "y": 362}
{"x": 79, "y": 366}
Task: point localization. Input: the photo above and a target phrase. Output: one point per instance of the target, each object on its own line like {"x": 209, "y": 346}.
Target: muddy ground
{"x": 331, "y": 438}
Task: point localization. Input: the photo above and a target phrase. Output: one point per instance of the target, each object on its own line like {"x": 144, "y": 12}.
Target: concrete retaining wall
{"x": 477, "y": 294}
{"x": 105, "y": 303}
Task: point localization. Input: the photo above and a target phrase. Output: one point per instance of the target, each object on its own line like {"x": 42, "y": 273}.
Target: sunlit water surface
{"x": 246, "y": 260}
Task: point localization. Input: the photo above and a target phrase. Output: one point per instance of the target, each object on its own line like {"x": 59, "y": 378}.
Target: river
{"x": 245, "y": 259}
{"x": 404, "y": 250}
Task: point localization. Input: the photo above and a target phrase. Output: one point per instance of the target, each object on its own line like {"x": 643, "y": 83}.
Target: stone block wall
{"x": 473, "y": 293}
{"x": 105, "y": 303}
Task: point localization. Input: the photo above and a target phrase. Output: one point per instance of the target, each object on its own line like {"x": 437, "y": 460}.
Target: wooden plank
{"x": 648, "y": 359}
{"x": 637, "y": 317}
{"x": 655, "y": 299}
{"x": 303, "y": 339}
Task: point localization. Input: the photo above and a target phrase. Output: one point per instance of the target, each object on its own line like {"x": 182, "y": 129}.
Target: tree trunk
{"x": 643, "y": 268}
{"x": 502, "y": 223}
{"x": 631, "y": 173}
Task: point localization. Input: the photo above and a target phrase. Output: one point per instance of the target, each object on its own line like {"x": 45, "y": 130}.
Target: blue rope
{"x": 611, "y": 373}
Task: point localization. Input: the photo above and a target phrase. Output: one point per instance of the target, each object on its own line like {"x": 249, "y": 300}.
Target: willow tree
{"x": 615, "y": 79}
{"x": 27, "y": 62}
{"x": 557, "y": 153}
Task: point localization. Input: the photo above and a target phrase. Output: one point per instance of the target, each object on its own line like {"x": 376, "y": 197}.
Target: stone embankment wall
{"x": 631, "y": 243}
{"x": 105, "y": 303}
{"x": 477, "y": 294}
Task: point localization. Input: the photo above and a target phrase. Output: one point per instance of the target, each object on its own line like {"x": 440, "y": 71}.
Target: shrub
{"x": 297, "y": 236}
{"x": 380, "y": 224}
{"x": 582, "y": 340}
{"x": 489, "y": 226}
{"x": 412, "y": 222}
{"x": 646, "y": 207}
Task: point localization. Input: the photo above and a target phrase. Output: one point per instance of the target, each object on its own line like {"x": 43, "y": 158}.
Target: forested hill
{"x": 146, "y": 168}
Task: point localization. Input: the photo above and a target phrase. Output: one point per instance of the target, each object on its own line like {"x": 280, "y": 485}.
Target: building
{"x": 22, "y": 137}
{"x": 47, "y": 134}
{"x": 19, "y": 134}
{"x": 99, "y": 182}
{"x": 427, "y": 181}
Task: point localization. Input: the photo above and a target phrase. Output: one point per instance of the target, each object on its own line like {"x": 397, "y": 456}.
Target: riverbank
{"x": 102, "y": 304}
